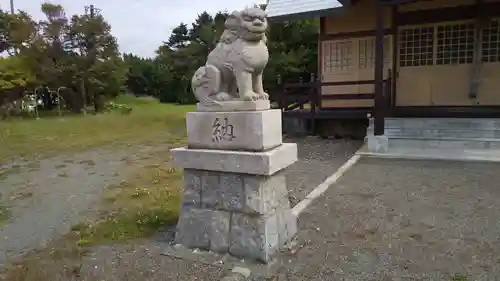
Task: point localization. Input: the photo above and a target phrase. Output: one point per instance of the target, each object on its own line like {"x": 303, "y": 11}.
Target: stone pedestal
{"x": 377, "y": 144}
{"x": 235, "y": 197}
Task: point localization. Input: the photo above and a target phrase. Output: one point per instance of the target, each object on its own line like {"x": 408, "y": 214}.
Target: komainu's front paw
{"x": 264, "y": 96}
{"x": 251, "y": 96}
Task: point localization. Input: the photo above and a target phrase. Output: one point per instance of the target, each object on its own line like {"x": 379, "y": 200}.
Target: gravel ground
{"x": 47, "y": 197}
{"x": 318, "y": 159}
{"x": 384, "y": 220}
{"x": 403, "y": 220}
{"x": 145, "y": 262}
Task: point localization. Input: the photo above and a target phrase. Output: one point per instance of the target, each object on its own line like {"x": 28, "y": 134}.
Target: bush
{"x": 122, "y": 108}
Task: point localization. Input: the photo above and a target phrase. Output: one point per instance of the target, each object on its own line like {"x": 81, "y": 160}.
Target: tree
{"x": 148, "y": 77}
{"x": 194, "y": 43}
{"x": 14, "y": 79}
{"x": 292, "y": 48}
{"x": 80, "y": 53}
{"x": 14, "y": 73}
{"x": 96, "y": 50}
{"x": 293, "y": 51}
{"x": 63, "y": 52}
{"x": 4, "y": 35}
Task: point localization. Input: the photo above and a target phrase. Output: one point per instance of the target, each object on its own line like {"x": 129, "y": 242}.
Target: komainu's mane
{"x": 233, "y": 29}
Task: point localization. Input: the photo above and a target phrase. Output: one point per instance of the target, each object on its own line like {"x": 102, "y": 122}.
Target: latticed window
{"x": 367, "y": 52}
{"x": 416, "y": 46}
{"x": 491, "y": 42}
{"x": 338, "y": 56}
{"x": 455, "y": 44}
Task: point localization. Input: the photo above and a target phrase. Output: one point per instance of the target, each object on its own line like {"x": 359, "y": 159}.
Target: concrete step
{"x": 470, "y": 133}
{"x": 435, "y": 154}
{"x": 471, "y": 128}
{"x": 444, "y": 123}
{"x": 444, "y": 143}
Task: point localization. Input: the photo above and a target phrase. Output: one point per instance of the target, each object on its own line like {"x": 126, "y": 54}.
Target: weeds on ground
{"x": 5, "y": 172}
{"x": 4, "y": 214}
{"x": 459, "y": 277}
{"x": 137, "y": 207}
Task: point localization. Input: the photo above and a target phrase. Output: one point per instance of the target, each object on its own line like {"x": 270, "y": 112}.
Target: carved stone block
{"x": 254, "y": 237}
{"x": 193, "y": 228}
{"x": 204, "y": 229}
{"x": 219, "y": 231}
{"x": 265, "y": 194}
{"x": 250, "y": 130}
{"x": 225, "y": 194}
{"x": 192, "y": 188}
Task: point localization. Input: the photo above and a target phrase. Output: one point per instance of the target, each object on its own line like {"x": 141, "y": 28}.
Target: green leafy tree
{"x": 14, "y": 73}
{"x": 97, "y": 61}
{"x": 4, "y": 34}
{"x": 148, "y": 77}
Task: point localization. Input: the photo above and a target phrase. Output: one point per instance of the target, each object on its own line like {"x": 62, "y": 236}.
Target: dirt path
{"x": 47, "y": 197}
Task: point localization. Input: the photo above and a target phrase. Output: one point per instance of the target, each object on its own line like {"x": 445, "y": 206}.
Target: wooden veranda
{"x": 304, "y": 100}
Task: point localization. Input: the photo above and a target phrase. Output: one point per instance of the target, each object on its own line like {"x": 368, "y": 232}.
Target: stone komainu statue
{"x": 233, "y": 70}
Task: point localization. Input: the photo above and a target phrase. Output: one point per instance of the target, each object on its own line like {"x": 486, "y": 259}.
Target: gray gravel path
{"x": 143, "y": 262}
{"x": 384, "y": 220}
{"x": 318, "y": 159}
{"x": 47, "y": 197}
{"x": 403, "y": 220}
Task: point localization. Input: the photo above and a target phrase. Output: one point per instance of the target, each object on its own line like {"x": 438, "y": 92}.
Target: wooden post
{"x": 481, "y": 21}
{"x": 388, "y": 90}
{"x": 36, "y": 104}
{"x": 380, "y": 104}
{"x": 312, "y": 103}
{"x": 281, "y": 94}
{"x": 58, "y": 102}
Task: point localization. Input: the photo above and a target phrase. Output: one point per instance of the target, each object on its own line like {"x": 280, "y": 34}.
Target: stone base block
{"x": 377, "y": 144}
{"x": 246, "y": 215}
{"x": 242, "y": 235}
{"x": 235, "y": 105}
{"x": 247, "y": 130}
{"x": 257, "y": 163}
{"x": 232, "y": 192}
{"x": 259, "y": 237}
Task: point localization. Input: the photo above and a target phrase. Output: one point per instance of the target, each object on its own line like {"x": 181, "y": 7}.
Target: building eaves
{"x": 280, "y": 10}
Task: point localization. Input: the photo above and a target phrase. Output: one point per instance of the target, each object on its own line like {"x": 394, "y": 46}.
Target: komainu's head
{"x": 249, "y": 24}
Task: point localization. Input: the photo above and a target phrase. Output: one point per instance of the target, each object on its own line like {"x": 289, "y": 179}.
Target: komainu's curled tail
{"x": 206, "y": 84}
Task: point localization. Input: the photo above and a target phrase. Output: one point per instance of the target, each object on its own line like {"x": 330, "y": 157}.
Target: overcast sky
{"x": 139, "y": 25}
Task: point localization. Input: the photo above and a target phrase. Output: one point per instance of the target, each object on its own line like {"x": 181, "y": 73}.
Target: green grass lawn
{"x": 149, "y": 121}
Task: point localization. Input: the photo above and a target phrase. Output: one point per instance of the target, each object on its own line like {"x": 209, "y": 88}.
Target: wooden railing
{"x": 298, "y": 95}
{"x": 306, "y": 96}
